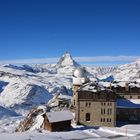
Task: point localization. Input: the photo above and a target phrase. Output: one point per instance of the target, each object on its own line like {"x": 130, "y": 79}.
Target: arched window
{"x": 87, "y": 116}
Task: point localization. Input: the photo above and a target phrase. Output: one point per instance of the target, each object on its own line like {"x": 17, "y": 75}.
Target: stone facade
{"x": 92, "y": 113}
{"x": 99, "y": 108}
{"x": 94, "y": 108}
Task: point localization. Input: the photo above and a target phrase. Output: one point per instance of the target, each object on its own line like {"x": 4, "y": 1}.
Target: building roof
{"x": 59, "y": 116}
{"x": 130, "y": 84}
{"x": 121, "y": 84}
{"x": 65, "y": 97}
{"x": 128, "y": 103}
{"x": 93, "y": 87}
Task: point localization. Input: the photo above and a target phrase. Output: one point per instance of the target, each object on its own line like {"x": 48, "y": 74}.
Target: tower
{"x": 79, "y": 78}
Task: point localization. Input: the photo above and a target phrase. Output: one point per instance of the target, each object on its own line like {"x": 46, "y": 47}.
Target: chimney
{"x": 110, "y": 86}
{"x": 127, "y": 87}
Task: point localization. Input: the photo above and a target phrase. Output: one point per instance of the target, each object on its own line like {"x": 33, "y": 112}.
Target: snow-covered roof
{"x": 137, "y": 84}
{"x": 93, "y": 87}
{"x": 129, "y": 103}
{"x": 59, "y": 116}
{"x": 67, "y": 97}
{"x": 105, "y": 84}
{"x": 121, "y": 84}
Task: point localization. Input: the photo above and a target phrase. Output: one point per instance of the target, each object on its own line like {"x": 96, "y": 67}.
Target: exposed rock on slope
{"x": 31, "y": 85}
{"x": 31, "y": 121}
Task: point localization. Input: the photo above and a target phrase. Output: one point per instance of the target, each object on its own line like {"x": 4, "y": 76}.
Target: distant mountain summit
{"x": 67, "y": 60}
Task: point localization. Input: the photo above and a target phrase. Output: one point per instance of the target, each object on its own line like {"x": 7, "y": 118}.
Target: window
{"x": 104, "y": 120}
{"x": 101, "y": 120}
{"x": 108, "y": 120}
{"x": 88, "y": 104}
{"x": 87, "y": 117}
{"x": 138, "y": 97}
{"x": 101, "y": 104}
{"x": 101, "y": 111}
{"x": 104, "y": 111}
{"x": 130, "y": 97}
{"x": 104, "y": 103}
{"x": 108, "y": 112}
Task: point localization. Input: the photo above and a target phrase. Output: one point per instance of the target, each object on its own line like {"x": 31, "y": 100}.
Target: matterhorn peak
{"x": 67, "y": 60}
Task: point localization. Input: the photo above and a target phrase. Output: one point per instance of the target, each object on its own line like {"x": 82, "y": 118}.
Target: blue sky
{"x": 86, "y": 28}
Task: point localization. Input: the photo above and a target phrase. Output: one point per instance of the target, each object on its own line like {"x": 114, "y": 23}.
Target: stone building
{"x": 128, "y": 101}
{"x": 104, "y": 103}
{"x": 94, "y": 105}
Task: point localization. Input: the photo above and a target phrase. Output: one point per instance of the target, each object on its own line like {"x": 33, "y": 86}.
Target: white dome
{"x": 80, "y": 72}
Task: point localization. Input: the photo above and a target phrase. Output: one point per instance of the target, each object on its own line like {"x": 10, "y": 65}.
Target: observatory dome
{"x": 80, "y": 72}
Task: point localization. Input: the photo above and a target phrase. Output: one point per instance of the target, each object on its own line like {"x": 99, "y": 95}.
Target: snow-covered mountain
{"x": 66, "y": 64}
{"x": 30, "y": 85}
{"x": 66, "y": 60}
{"x": 26, "y": 86}
{"x": 128, "y": 72}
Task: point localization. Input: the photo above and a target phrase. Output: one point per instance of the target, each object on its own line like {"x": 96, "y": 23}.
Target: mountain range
{"x": 26, "y": 86}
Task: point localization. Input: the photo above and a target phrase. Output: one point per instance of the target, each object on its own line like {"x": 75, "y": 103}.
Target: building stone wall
{"x": 99, "y": 108}
{"x": 101, "y": 113}
{"x": 75, "y": 95}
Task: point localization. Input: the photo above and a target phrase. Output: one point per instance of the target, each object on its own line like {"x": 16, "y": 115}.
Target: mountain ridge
{"x": 31, "y": 85}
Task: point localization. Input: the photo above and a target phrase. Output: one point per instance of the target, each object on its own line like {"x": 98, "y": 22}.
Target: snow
{"x": 78, "y": 132}
{"x": 27, "y": 86}
{"x": 105, "y": 84}
{"x": 20, "y": 93}
{"x": 6, "y": 112}
{"x": 66, "y": 60}
{"x": 67, "y": 97}
{"x": 137, "y": 84}
{"x": 39, "y": 121}
{"x": 78, "y": 81}
{"x": 102, "y": 133}
{"x": 42, "y": 107}
{"x": 93, "y": 87}
{"x": 59, "y": 116}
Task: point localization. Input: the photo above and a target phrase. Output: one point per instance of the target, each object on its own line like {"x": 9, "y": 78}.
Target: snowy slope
{"x": 22, "y": 88}
{"x": 30, "y": 85}
{"x": 26, "y": 86}
{"x": 128, "y": 72}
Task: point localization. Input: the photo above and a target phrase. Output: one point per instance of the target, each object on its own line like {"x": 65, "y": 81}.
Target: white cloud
{"x": 30, "y": 61}
{"x": 78, "y": 59}
{"x": 106, "y": 58}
